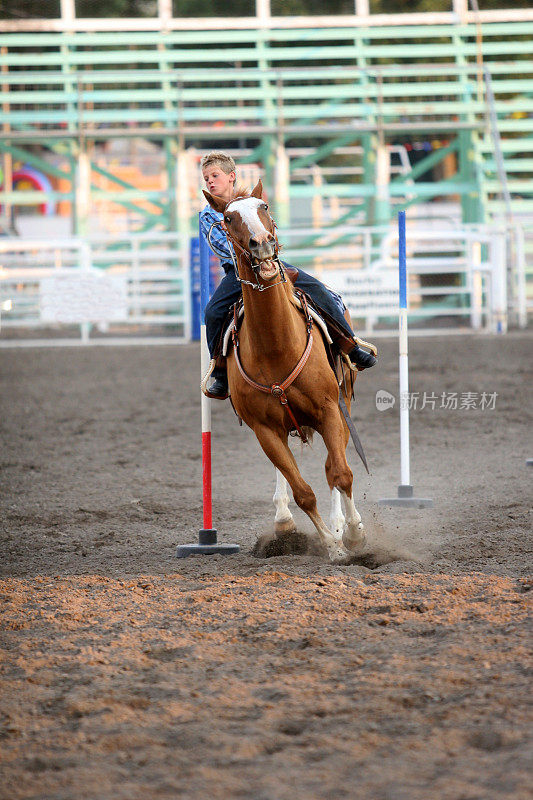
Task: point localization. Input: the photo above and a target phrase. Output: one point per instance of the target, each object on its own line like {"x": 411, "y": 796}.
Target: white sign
{"x": 84, "y": 296}
{"x": 366, "y": 293}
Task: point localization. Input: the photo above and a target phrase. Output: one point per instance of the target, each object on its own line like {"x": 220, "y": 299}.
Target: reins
{"x": 278, "y": 389}
{"x": 260, "y": 287}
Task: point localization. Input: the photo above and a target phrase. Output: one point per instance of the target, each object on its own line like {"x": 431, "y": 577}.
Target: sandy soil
{"x": 126, "y": 673}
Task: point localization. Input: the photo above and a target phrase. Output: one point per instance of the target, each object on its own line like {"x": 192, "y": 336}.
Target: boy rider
{"x": 218, "y": 170}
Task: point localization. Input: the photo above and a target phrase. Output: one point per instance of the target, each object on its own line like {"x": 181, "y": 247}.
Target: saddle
{"x": 336, "y": 341}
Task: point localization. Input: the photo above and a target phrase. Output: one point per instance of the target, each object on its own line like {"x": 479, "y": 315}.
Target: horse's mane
{"x": 240, "y": 192}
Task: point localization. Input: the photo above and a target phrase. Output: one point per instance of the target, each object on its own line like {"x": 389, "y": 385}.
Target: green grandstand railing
{"x": 328, "y": 86}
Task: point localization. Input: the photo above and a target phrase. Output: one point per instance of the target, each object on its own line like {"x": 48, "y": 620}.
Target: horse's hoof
{"x": 285, "y": 526}
{"x": 337, "y": 554}
{"x": 354, "y": 541}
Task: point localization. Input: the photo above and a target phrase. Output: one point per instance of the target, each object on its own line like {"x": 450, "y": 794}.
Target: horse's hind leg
{"x": 284, "y": 521}
{"x": 279, "y": 453}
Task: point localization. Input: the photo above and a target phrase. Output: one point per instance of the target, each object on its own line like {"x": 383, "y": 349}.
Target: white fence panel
{"x": 458, "y": 281}
{"x": 111, "y": 289}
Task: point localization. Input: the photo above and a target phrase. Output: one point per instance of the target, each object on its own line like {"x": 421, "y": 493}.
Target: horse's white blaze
{"x": 336, "y": 517}
{"x": 248, "y": 209}
{"x": 281, "y": 499}
{"x": 354, "y": 532}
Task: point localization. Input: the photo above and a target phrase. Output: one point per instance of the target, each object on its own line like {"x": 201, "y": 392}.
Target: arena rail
{"x": 99, "y": 290}
{"x": 458, "y": 282}
{"x": 462, "y": 271}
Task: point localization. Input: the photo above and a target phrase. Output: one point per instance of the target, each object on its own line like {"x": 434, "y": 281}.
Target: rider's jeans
{"x": 228, "y": 292}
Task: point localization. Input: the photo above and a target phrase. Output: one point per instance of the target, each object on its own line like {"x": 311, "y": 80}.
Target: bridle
{"x": 260, "y": 287}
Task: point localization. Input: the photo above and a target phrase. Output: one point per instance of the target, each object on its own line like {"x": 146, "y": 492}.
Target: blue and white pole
{"x": 405, "y": 489}
{"x": 404, "y": 357}
{"x": 207, "y": 537}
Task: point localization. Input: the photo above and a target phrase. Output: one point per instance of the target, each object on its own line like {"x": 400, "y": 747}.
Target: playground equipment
{"x": 38, "y": 181}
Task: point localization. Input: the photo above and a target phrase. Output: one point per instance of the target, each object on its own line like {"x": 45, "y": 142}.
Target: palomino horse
{"x": 272, "y": 338}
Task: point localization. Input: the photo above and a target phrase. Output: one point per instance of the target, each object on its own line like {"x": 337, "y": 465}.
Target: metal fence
{"x": 137, "y": 288}
{"x": 100, "y": 290}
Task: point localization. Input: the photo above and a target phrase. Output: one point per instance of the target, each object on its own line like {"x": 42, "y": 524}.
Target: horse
{"x": 275, "y": 389}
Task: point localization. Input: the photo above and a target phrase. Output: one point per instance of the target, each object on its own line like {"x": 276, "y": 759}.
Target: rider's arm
{"x": 219, "y": 243}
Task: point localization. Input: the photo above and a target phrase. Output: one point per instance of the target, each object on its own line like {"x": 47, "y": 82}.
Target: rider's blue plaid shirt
{"x": 220, "y": 245}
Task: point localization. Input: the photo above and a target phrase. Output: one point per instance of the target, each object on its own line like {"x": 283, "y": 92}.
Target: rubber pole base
{"x": 207, "y": 546}
{"x": 406, "y": 499}
{"x": 184, "y": 550}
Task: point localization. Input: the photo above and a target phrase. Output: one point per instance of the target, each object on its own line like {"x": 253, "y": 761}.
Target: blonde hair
{"x": 220, "y": 159}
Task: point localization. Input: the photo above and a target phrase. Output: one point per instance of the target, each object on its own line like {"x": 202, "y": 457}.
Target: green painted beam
{"x": 310, "y": 71}
{"x": 29, "y": 157}
{"x": 174, "y": 37}
{"x": 183, "y": 56}
{"x": 516, "y": 164}
{"x": 523, "y": 144}
{"x": 423, "y": 189}
{"x": 299, "y": 114}
{"x": 323, "y": 151}
{"x": 130, "y": 92}
{"x": 426, "y": 163}
{"x": 115, "y": 179}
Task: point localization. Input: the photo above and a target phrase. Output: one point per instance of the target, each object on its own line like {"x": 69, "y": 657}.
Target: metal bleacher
{"x": 266, "y": 88}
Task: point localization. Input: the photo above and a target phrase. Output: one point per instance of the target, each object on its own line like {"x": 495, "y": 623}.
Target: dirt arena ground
{"x": 129, "y": 674}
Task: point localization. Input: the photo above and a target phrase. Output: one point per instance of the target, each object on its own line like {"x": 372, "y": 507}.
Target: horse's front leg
{"x": 340, "y": 477}
{"x": 354, "y": 536}
{"x": 277, "y": 450}
{"x": 336, "y": 517}
{"x": 283, "y": 520}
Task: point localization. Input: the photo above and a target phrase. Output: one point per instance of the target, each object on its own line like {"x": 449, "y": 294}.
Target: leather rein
{"x": 278, "y": 389}
{"x": 259, "y": 287}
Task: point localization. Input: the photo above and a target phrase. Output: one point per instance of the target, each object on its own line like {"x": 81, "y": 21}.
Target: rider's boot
{"x": 219, "y": 388}
{"x": 361, "y": 358}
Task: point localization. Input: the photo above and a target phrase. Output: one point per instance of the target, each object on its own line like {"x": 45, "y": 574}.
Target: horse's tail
{"x": 309, "y": 433}
{"x": 348, "y": 376}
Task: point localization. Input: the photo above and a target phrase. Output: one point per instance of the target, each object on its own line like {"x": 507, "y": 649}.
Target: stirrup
{"x": 361, "y": 343}
{"x": 222, "y": 395}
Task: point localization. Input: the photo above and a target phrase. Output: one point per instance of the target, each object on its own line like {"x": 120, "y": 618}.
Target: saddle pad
{"x": 316, "y": 317}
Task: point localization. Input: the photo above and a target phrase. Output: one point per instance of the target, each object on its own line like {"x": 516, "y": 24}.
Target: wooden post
{"x": 262, "y": 11}
{"x": 8, "y": 158}
{"x": 68, "y": 10}
{"x": 164, "y": 12}
{"x": 460, "y": 8}
{"x": 83, "y": 193}
{"x": 183, "y": 206}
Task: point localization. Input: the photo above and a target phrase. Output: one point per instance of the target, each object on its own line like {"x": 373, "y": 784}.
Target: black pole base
{"x": 207, "y": 545}
{"x": 406, "y": 499}
{"x": 529, "y": 462}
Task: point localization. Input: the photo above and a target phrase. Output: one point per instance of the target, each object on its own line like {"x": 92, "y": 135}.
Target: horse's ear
{"x": 218, "y": 203}
{"x": 257, "y": 191}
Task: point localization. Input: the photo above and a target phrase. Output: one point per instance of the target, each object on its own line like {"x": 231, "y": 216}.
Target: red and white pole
{"x": 206, "y": 436}
{"x": 207, "y": 537}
